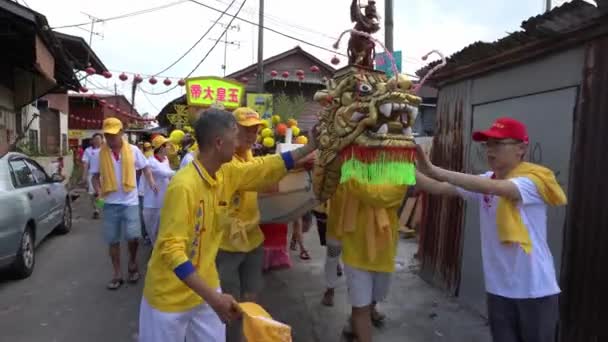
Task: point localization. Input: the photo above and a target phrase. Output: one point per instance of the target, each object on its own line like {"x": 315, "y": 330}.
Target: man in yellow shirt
{"x": 182, "y": 298}
{"x": 241, "y": 256}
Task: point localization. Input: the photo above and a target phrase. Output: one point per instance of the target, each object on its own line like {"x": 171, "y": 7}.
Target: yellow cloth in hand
{"x": 106, "y": 169}
{"x": 511, "y": 228}
{"x": 258, "y": 325}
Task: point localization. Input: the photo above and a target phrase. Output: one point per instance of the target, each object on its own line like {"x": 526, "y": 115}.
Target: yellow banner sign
{"x": 76, "y": 134}
{"x": 261, "y": 103}
{"x": 208, "y": 91}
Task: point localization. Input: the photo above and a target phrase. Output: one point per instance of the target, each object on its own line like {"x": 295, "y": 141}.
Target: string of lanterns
{"x": 300, "y": 74}
{"x": 137, "y": 78}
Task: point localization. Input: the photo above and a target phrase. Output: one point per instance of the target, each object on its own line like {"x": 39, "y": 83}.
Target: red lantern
{"x": 167, "y": 82}
{"x": 335, "y": 60}
{"x": 123, "y": 77}
{"x": 244, "y": 79}
{"x": 90, "y": 70}
{"x": 102, "y": 102}
{"x": 300, "y": 73}
{"x": 314, "y": 68}
{"x": 274, "y": 73}
{"x": 107, "y": 74}
{"x": 285, "y": 74}
{"x": 181, "y": 82}
{"x": 138, "y": 79}
{"x": 83, "y": 89}
{"x": 152, "y": 80}
{"x": 111, "y": 106}
{"x": 301, "y": 77}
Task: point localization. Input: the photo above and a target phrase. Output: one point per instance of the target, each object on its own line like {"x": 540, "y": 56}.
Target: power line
{"x": 280, "y": 22}
{"x": 269, "y": 29}
{"x": 126, "y": 15}
{"x": 235, "y": 16}
{"x": 198, "y": 41}
{"x": 150, "y": 102}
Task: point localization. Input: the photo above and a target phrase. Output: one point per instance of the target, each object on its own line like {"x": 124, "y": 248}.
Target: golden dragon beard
{"x": 365, "y": 131}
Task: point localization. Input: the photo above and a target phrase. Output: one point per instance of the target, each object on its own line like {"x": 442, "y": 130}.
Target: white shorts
{"x": 151, "y": 222}
{"x": 365, "y": 287}
{"x": 196, "y": 325}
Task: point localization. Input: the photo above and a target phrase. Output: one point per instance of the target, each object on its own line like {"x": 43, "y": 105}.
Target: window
{"x": 38, "y": 171}
{"x": 33, "y": 140}
{"x": 21, "y": 174}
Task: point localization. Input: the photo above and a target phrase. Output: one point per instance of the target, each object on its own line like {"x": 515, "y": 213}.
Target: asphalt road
{"x": 65, "y": 299}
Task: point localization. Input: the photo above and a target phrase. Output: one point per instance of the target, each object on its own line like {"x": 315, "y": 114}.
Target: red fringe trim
{"x": 375, "y": 154}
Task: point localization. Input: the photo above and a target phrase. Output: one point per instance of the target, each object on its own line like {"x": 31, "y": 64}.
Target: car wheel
{"x": 26, "y": 256}
{"x": 66, "y": 223}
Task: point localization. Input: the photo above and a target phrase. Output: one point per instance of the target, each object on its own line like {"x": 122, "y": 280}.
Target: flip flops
{"x": 115, "y": 284}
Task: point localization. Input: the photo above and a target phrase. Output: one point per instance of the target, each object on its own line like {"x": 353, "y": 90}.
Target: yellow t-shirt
{"x": 190, "y": 232}
{"x": 355, "y": 244}
{"x": 244, "y": 211}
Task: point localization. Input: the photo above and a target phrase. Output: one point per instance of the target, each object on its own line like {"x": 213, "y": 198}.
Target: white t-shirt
{"x": 510, "y": 272}
{"x": 121, "y": 197}
{"x": 186, "y": 160}
{"x": 162, "y": 173}
{"x": 90, "y": 153}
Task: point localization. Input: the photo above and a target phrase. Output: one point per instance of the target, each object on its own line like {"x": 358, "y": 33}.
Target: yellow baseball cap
{"x": 159, "y": 141}
{"x": 112, "y": 126}
{"x": 247, "y": 117}
{"x": 147, "y": 145}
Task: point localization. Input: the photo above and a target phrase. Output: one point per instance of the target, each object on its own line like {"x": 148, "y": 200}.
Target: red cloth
{"x": 275, "y": 246}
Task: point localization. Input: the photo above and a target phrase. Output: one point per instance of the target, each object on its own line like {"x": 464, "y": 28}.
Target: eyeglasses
{"x": 499, "y": 143}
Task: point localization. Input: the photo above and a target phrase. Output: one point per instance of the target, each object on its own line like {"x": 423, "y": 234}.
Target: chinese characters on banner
{"x": 208, "y": 91}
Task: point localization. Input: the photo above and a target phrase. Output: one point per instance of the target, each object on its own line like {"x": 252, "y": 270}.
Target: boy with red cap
{"x": 520, "y": 280}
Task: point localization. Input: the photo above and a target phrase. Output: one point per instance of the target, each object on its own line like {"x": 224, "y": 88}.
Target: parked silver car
{"x": 32, "y": 205}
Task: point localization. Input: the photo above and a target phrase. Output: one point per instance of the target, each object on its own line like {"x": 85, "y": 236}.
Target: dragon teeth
{"x": 383, "y": 129}
{"x": 386, "y": 109}
{"x": 357, "y": 116}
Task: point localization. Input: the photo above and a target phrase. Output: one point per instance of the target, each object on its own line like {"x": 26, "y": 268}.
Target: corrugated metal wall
{"x": 440, "y": 245}
{"x": 584, "y": 277}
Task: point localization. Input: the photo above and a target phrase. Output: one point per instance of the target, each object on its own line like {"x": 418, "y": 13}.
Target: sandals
{"x": 115, "y": 284}
{"x": 133, "y": 275}
{"x": 328, "y": 298}
{"x": 304, "y": 255}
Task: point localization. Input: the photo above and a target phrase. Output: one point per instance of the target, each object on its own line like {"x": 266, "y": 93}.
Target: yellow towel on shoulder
{"x": 511, "y": 228}
{"x": 106, "y": 169}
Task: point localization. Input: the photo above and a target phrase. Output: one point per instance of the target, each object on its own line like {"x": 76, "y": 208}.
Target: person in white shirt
{"x": 91, "y": 152}
{"x": 520, "y": 280}
{"x": 115, "y": 179}
{"x": 162, "y": 173}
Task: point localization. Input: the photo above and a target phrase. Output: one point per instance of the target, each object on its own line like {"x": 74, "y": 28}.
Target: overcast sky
{"x": 148, "y": 43}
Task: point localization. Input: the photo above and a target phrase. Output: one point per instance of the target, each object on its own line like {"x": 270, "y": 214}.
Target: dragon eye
{"x": 365, "y": 88}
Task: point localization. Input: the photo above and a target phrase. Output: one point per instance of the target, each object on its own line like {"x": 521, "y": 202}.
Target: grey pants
{"x": 523, "y": 320}
{"x": 240, "y": 274}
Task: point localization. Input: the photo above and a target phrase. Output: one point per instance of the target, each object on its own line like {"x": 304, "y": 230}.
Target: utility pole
{"x": 388, "y": 25}
{"x": 548, "y": 5}
{"x": 92, "y": 32}
{"x": 226, "y": 42}
{"x": 260, "y": 72}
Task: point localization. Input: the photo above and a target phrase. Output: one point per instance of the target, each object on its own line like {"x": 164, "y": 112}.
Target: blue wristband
{"x": 184, "y": 270}
{"x": 288, "y": 160}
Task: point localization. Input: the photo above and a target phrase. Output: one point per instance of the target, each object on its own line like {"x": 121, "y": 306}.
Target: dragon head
{"x": 366, "y": 118}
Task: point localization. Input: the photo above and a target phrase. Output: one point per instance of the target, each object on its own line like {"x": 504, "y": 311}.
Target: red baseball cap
{"x": 503, "y": 128}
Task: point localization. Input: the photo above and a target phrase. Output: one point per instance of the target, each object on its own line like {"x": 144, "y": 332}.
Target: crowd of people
{"x": 210, "y": 250}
